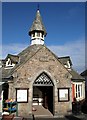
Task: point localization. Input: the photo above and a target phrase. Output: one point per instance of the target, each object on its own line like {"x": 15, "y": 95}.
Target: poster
{"x": 63, "y": 94}
{"x": 22, "y": 95}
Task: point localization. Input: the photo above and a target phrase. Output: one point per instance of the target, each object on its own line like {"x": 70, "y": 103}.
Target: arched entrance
{"x": 43, "y": 92}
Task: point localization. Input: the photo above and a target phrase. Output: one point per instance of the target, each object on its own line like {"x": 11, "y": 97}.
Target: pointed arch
{"x": 47, "y": 73}
{"x": 52, "y": 89}
{"x": 43, "y": 80}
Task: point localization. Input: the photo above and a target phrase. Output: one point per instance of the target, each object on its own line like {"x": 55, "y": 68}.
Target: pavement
{"x": 41, "y": 113}
{"x": 67, "y": 117}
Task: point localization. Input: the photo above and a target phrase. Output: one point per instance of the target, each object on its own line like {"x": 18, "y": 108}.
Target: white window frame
{"x": 78, "y": 91}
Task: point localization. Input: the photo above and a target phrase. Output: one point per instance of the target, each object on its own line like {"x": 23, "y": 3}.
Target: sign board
{"x": 22, "y": 95}
{"x": 63, "y": 94}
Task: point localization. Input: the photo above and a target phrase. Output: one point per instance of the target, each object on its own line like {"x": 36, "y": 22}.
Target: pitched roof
{"x": 14, "y": 58}
{"x": 28, "y": 53}
{"x": 2, "y": 62}
{"x": 84, "y": 73}
{"x": 4, "y": 73}
{"x": 76, "y": 76}
{"x": 37, "y": 24}
{"x": 65, "y": 59}
{"x": 25, "y": 55}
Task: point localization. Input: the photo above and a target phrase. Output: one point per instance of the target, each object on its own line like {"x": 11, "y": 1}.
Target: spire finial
{"x": 38, "y": 7}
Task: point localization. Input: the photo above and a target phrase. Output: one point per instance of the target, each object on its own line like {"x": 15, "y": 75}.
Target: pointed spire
{"x": 37, "y": 31}
{"x": 37, "y": 24}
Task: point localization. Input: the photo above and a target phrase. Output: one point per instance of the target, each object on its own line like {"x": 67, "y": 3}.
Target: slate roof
{"x": 84, "y": 73}
{"x": 28, "y": 53}
{"x": 76, "y": 76}
{"x": 5, "y": 72}
{"x": 65, "y": 59}
{"x": 2, "y": 62}
{"x": 37, "y": 24}
{"x": 25, "y": 55}
{"x": 14, "y": 58}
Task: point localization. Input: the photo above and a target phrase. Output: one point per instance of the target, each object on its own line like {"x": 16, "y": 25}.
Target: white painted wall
{"x": 37, "y": 41}
{"x": 1, "y": 100}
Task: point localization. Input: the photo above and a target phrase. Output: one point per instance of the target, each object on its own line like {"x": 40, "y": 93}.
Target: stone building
{"x": 38, "y": 79}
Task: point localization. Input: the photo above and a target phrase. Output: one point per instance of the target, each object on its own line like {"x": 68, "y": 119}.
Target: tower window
{"x": 42, "y": 35}
{"x": 38, "y": 34}
{"x": 33, "y": 35}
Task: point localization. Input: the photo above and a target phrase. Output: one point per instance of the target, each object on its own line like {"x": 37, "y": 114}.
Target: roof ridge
{"x": 13, "y": 55}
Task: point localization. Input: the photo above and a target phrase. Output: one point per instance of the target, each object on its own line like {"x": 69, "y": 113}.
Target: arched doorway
{"x": 43, "y": 92}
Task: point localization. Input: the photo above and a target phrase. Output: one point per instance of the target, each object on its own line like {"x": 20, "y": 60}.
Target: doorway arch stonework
{"x": 55, "y": 93}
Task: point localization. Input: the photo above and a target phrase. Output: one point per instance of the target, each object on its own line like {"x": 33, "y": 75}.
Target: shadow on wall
{"x": 71, "y": 117}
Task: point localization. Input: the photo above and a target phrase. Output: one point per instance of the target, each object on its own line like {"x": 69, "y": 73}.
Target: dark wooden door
{"x": 46, "y": 101}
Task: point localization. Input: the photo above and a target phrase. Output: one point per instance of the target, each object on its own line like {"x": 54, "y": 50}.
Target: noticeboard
{"x": 63, "y": 94}
{"x": 22, "y": 95}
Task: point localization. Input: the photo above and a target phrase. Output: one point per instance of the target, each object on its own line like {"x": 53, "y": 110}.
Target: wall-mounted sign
{"x": 63, "y": 94}
{"x": 22, "y": 95}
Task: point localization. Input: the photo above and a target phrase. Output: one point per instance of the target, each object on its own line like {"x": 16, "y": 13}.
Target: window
{"x": 78, "y": 93}
{"x": 33, "y": 35}
{"x": 63, "y": 94}
{"x": 8, "y": 62}
{"x": 38, "y": 34}
{"x": 42, "y": 35}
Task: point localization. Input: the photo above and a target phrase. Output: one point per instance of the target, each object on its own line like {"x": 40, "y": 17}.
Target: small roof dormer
{"x": 66, "y": 61}
{"x": 37, "y": 31}
{"x": 11, "y": 61}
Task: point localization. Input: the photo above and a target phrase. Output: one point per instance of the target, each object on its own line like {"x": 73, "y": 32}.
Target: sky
{"x": 64, "y": 23}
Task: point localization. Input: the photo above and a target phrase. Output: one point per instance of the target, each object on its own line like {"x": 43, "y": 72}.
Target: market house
{"x": 41, "y": 82}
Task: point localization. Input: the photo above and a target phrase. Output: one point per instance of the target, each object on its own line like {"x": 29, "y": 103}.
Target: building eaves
{"x": 76, "y": 76}
{"x": 5, "y": 73}
{"x": 28, "y": 53}
{"x": 84, "y": 73}
{"x": 65, "y": 59}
